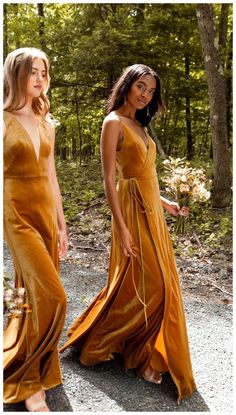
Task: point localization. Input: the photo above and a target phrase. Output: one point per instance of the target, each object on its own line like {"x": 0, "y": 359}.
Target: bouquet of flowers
{"x": 14, "y": 301}
{"x": 185, "y": 184}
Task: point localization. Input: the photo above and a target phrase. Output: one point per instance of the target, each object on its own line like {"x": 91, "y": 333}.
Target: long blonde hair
{"x": 17, "y": 70}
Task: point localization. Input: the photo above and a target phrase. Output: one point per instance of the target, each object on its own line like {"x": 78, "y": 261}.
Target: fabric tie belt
{"x": 138, "y": 203}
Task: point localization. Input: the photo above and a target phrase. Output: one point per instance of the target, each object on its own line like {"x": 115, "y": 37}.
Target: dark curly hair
{"x": 122, "y": 87}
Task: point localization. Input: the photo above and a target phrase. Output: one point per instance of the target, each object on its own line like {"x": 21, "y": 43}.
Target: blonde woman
{"x": 34, "y": 228}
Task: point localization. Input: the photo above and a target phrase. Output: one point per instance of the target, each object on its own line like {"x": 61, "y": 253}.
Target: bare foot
{"x": 36, "y": 402}
{"x": 152, "y": 376}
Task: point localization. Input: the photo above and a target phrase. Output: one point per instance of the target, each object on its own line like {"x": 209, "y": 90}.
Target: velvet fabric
{"x": 30, "y": 229}
{"x": 139, "y": 313}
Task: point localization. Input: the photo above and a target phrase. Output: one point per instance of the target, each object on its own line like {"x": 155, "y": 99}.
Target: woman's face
{"x": 141, "y": 91}
{"x": 37, "y": 80}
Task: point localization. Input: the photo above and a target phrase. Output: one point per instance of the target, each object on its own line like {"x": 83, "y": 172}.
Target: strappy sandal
{"x": 151, "y": 377}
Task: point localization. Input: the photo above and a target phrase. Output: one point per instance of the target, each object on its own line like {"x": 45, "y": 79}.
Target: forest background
{"x": 88, "y": 46}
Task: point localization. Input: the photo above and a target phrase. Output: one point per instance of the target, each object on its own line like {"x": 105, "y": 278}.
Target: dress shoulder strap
{"x": 6, "y": 115}
{"x": 7, "y": 118}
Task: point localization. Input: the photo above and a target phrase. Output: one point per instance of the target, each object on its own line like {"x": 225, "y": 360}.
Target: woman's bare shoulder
{"x": 112, "y": 121}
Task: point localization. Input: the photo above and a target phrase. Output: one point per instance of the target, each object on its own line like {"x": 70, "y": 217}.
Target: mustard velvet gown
{"x": 139, "y": 313}
{"x": 30, "y": 228}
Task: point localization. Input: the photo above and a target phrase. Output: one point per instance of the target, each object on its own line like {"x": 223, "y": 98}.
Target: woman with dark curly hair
{"x": 139, "y": 313}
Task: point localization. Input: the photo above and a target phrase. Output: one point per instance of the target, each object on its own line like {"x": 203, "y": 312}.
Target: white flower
{"x": 8, "y": 294}
{"x": 204, "y": 195}
{"x": 20, "y": 291}
{"x": 11, "y": 305}
{"x": 200, "y": 192}
{"x": 19, "y": 300}
{"x": 184, "y": 188}
{"x": 183, "y": 179}
{"x": 17, "y": 312}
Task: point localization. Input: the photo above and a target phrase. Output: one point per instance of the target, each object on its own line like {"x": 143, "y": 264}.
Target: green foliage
{"x": 7, "y": 280}
{"x": 89, "y": 45}
{"x": 220, "y": 231}
{"x": 81, "y": 187}
{"x": 105, "y": 211}
{"x": 225, "y": 227}
{"x": 214, "y": 225}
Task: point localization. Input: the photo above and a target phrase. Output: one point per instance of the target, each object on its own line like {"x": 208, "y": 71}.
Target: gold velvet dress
{"x": 139, "y": 313}
{"x": 30, "y": 228}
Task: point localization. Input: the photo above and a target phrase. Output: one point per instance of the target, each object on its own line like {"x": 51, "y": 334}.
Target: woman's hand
{"x": 175, "y": 210}
{"x": 62, "y": 242}
{"x": 184, "y": 211}
{"x": 126, "y": 242}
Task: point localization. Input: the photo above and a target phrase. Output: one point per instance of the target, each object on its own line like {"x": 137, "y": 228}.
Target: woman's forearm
{"x": 58, "y": 202}
{"x": 113, "y": 201}
{"x": 165, "y": 202}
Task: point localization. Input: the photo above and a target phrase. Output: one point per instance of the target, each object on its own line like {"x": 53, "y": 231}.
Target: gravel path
{"x": 106, "y": 388}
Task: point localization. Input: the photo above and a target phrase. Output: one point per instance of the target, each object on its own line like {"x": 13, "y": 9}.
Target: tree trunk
{"x": 157, "y": 141}
{"x": 110, "y": 79}
{"x": 5, "y": 46}
{"x": 63, "y": 147}
{"x": 188, "y": 109}
{"x": 79, "y": 128}
{"x": 223, "y": 28}
{"x": 229, "y": 87}
{"x": 221, "y": 187}
{"x": 74, "y": 145}
{"x": 40, "y": 7}
{"x": 226, "y": 59}
{"x": 140, "y": 10}
{"x": 16, "y": 9}
{"x": 205, "y": 145}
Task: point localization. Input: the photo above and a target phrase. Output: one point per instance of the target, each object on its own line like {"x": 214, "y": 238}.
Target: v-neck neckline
{"x": 130, "y": 128}
{"x": 29, "y": 137}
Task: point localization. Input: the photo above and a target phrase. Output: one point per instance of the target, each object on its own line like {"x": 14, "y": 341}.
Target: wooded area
{"x": 190, "y": 47}
{"x": 88, "y": 46}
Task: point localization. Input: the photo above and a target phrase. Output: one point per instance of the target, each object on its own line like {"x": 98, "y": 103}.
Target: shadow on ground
{"x": 130, "y": 392}
{"x": 57, "y": 401}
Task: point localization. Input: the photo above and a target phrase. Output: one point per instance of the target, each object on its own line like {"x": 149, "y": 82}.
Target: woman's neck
{"x": 127, "y": 111}
{"x": 26, "y": 110}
